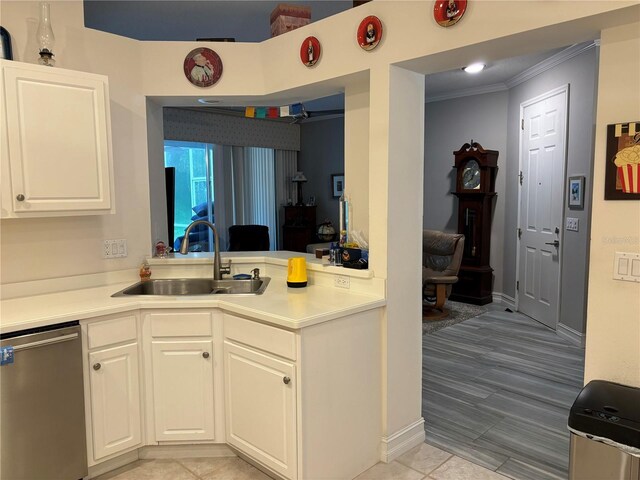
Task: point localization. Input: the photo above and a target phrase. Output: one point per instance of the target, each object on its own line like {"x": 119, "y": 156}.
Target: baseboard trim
{"x": 402, "y": 441}
{"x": 504, "y": 299}
{"x": 186, "y": 451}
{"x": 113, "y": 464}
{"x": 570, "y": 335}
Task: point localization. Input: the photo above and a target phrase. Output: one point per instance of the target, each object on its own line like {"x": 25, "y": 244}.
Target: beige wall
{"x": 613, "y": 312}
{"x": 45, "y": 248}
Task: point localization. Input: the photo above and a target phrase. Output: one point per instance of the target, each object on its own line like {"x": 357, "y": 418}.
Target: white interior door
{"x": 542, "y": 161}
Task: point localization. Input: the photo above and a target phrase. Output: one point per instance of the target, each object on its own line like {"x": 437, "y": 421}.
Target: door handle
{"x": 555, "y": 243}
{"x": 42, "y": 343}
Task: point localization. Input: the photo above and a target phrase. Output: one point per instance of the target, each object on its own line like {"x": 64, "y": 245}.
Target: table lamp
{"x": 299, "y": 179}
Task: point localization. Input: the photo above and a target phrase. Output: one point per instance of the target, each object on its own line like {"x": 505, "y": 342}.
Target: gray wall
{"x": 493, "y": 120}
{"x": 448, "y": 125}
{"x": 322, "y": 154}
{"x": 580, "y": 73}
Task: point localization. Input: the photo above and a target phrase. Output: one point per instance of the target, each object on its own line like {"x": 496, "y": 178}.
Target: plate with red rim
{"x": 310, "y": 51}
{"x": 203, "y": 67}
{"x": 369, "y": 33}
{"x": 449, "y": 12}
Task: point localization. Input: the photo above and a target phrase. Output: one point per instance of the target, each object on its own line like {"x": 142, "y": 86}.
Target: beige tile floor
{"x": 422, "y": 463}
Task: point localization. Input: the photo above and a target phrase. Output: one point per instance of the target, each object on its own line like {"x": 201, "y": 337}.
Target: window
{"x": 193, "y": 191}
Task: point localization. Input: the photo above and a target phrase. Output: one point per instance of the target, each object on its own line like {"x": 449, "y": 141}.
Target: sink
{"x": 196, "y": 286}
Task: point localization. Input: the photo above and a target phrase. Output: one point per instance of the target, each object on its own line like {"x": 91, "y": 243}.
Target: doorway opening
{"x": 497, "y": 387}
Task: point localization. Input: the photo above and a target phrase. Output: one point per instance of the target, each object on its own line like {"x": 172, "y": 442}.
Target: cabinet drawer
{"x": 270, "y": 339}
{"x": 181, "y": 324}
{"x": 108, "y": 332}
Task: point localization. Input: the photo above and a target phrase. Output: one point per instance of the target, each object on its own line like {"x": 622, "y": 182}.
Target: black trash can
{"x": 605, "y": 433}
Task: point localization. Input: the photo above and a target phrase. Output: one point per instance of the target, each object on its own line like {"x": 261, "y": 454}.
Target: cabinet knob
{"x": 286, "y": 380}
{"x": 205, "y": 354}
{"x": 97, "y": 366}
{"x": 20, "y": 197}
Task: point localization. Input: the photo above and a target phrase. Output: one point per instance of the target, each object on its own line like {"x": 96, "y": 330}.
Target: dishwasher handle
{"x": 49, "y": 341}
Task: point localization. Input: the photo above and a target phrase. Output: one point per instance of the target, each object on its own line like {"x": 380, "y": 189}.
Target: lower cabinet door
{"x": 261, "y": 407}
{"x": 115, "y": 400}
{"x": 183, "y": 390}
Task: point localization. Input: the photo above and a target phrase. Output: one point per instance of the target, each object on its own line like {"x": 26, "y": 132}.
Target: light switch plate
{"x": 627, "y": 267}
{"x": 114, "y": 248}
{"x": 571, "y": 224}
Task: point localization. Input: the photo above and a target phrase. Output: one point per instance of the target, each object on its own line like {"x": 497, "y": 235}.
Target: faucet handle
{"x": 256, "y": 273}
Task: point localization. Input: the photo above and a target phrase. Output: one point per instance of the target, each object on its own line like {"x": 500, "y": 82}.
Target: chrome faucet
{"x": 218, "y": 269}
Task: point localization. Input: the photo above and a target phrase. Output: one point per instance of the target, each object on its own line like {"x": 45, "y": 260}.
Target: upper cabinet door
{"x": 58, "y": 132}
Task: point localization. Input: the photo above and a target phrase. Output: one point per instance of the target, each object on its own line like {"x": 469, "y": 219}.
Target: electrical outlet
{"x": 572, "y": 224}
{"x": 114, "y": 248}
{"x": 341, "y": 281}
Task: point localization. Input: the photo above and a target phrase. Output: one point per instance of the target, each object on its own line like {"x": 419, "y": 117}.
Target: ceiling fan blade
{"x": 319, "y": 113}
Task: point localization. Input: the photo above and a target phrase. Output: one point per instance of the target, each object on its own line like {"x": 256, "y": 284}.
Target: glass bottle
{"x": 344, "y": 220}
{"x": 45, "y": 37}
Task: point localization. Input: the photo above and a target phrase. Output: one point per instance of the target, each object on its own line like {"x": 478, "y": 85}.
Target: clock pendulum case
{"x": 476, "y": 191}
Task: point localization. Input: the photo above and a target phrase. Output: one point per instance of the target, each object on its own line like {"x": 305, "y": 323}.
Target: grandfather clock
{"x": 476, "y": 190}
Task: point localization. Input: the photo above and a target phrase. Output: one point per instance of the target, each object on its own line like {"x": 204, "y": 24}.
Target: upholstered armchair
{"x": 441, "y": 258}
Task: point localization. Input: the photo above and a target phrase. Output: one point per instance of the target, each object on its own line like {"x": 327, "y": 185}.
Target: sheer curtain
{"x": 286, "y": 167}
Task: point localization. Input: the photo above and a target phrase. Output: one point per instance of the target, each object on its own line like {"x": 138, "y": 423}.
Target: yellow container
{"x": 297, "y": 273}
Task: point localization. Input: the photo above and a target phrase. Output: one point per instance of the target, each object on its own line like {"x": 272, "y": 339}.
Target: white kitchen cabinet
{"x": 184, "y": 378}
{"x": 112, "y": 386}
{"x": 260, "y": 393}
{"x": 261, "y": 407}
{"x": 57, "y": 159}
{"x": 115, "y": 399}
{"x": 183, "y": 390}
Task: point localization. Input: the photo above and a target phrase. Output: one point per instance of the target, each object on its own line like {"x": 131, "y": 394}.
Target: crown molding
{"x": 547, "y": 64}
{"x": 468, "y": 92}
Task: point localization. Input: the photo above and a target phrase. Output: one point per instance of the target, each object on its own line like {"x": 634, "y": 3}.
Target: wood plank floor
{"x": 497, "y": 389}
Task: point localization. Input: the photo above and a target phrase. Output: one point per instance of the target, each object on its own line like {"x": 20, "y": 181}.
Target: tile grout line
{"x": 197, "y": 477}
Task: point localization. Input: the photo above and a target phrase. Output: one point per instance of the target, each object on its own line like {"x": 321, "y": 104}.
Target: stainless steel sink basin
{"x": 196, "y": 286}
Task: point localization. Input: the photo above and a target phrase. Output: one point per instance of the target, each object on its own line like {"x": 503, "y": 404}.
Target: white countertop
{"x": 279, "y": 305}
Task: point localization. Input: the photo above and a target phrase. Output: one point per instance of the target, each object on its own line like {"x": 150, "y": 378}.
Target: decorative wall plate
{"x": 202, "y": 67}
{"x": 449, "y": 12}
{"x": 310, "y": 51}
{"x": 369, "y": 33}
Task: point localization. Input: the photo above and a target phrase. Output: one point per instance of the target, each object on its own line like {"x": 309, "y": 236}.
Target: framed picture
{"x": 5, "y": 46}
{"x": 622, "y": 171}
{"x": 337, "y": 184}
{"x": 576, "y": 193}
{"x": 202, "y": 67}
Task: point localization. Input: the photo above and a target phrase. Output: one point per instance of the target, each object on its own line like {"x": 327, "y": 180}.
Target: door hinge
{"x": 518, "y": 286}
{"x": 522, "y": 124}
{"x": 521, "y": 177}
{"x": 519, "y": 233}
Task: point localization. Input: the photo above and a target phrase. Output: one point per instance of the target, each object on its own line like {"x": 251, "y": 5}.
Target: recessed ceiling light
{"x": 474, "y": 68}
{"x": 208, "y": 101}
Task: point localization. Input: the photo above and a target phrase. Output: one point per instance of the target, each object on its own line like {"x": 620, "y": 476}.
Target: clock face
{"x": 471, "y": 176}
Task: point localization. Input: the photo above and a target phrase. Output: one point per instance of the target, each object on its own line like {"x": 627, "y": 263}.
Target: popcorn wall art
{"x": 622, "y": 177}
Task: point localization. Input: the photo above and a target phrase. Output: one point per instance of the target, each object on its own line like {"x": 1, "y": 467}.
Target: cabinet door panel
{"x": 115, "y": 399}
{"x": 261, "y": 407}
{"x": 58, "y": 139}
{"x": 183, "y": 390}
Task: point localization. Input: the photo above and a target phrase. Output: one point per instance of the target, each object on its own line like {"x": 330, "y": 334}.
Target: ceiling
{"x": 248, "y": 21}
{"x": 187, "y": 20}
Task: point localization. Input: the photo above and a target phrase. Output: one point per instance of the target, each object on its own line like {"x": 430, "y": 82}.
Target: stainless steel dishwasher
{"x": 42, "y": 404}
